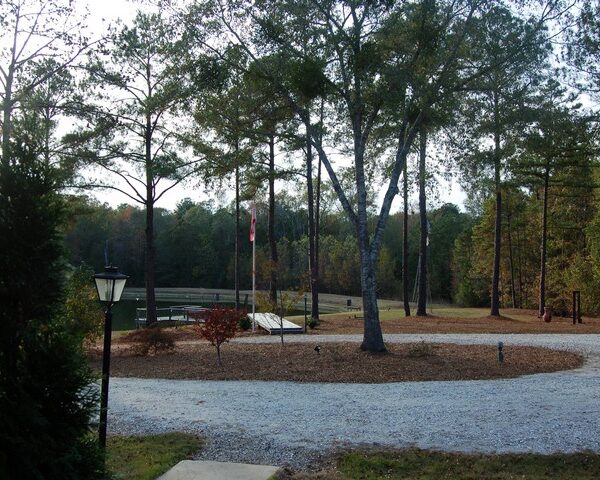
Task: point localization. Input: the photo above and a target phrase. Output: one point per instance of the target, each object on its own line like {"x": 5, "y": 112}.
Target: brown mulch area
{"x": 339, "y": 362}
{"x": 181, "y": 333}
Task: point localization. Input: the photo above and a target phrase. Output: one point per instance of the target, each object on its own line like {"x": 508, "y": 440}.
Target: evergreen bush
{"x": 47, "y": 393}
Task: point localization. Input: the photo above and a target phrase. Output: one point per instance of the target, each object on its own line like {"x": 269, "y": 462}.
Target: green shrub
{"x": 153, "y": 339}
{"x": 421, "y": 350}
{"x": 47, "y": 392}
{"x": 312, "y": 322}
{"x": 245, "y": 323}
{"x": 83, "y": 311}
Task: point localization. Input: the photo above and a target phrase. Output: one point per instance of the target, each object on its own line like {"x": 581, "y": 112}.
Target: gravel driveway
{"x": 287, "y": 423}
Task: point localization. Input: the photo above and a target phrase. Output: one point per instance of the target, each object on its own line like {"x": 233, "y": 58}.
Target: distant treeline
{"x": 195, "y": 247}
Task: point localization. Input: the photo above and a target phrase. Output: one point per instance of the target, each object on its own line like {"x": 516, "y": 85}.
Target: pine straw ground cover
{"x": 339, "y": 362}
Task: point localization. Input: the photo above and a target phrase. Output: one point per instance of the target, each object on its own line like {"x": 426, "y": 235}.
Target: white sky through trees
{"x": 104, "y": 12}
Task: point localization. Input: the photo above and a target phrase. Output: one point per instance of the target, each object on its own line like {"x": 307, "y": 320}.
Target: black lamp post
{"x": 110, "y": 285}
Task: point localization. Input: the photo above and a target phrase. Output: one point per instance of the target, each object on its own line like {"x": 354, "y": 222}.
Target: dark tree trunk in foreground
{"x": 271, "y": 225}
{"x": 314, "y": 288}
{"x": 495, "y": 300}
{"x": 405, "y": 294}
{"x": 372, "y": 337}
{"x": 422, "y": 300}
{"x": 544, "y": 242}
{"x": 369, "y": 245}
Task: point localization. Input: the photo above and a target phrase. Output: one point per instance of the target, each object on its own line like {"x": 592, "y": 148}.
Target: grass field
{"x": 417, "y": 464}
{"x": 442, "y": 318}
{"x": 147, "y": 457}
{"x": 448, "y": 319}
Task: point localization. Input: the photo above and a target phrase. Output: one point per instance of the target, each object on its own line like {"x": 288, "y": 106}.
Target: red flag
{"x": 253, "y": 223}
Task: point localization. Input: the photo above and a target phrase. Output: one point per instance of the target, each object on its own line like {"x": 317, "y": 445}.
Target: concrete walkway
{"x": 206, "y": 470}
{"x": 280, "y": 423}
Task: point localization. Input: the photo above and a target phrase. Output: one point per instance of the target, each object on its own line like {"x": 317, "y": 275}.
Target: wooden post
{"x": 574, "y": 307}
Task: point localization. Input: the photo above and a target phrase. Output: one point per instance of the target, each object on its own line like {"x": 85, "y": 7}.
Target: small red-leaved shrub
{"x": 220, "y": 325}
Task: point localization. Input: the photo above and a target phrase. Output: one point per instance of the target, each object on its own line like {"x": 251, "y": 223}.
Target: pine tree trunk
{"x": 237, "y": 234}
{"x": 495, "y": 309}
{"x": 405, "y": 293}
{"x": 311, "y": 231}
{"x": 542, "y": 297}
{"x": 422, "y": 298}
{"x": 150, "y": 258}
{"x": 315, "y": 307}
{"x": 520, "y": 267}
{"x": 511, "y": 261}
{"x": 495, "y": 297}
{"x": 271, "y": 223}
{"x": 150, "y": 261}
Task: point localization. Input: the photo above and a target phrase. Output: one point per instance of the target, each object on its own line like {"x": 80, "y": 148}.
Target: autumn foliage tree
{"x": 220, "y": 325}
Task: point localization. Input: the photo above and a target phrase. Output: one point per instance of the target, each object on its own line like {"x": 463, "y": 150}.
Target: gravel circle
{"x": 286, "y": 423}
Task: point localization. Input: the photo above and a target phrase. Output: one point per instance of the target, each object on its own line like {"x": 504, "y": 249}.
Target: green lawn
{"x": 384, "y": 315}
{"x": 426, "y": 465}
{"x": 438, "y": 311}
{"x": 147, "y": 457}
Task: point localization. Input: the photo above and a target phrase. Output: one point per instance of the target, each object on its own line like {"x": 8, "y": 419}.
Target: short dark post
{"x": 349, "y": 303}
{"x": 305, "y": 314}
{"x": 574, "y": 307}
{"x": 579, "y": 307}
{"x": 105, "y": 375}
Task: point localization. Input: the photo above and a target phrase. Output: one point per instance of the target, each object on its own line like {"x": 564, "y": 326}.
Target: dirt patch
{"x": 340, "y": 362}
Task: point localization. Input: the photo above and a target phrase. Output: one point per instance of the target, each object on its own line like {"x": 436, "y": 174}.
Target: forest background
{"x": 550, "y": 204}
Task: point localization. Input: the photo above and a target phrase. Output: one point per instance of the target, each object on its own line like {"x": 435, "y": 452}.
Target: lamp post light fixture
{"x": 110, "y": 285}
